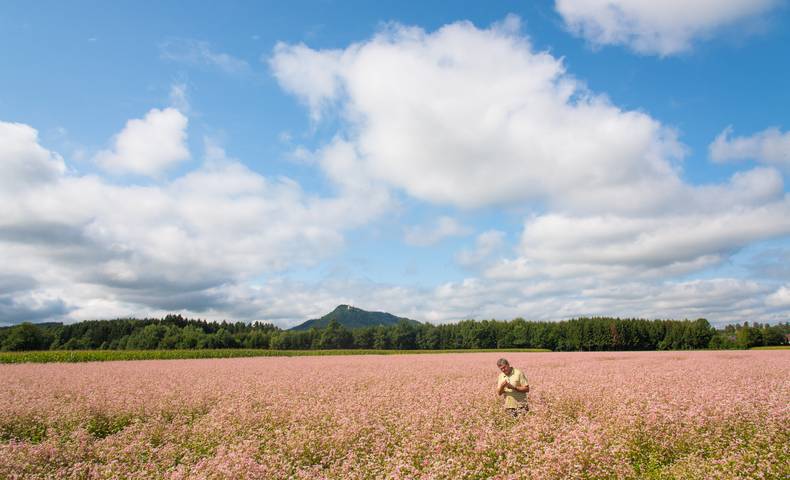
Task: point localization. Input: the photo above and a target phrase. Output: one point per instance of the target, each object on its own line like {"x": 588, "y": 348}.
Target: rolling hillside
{"x": 352, "y": 317}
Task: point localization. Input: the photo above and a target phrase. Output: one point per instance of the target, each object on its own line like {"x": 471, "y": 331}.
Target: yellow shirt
{"x": 514, "y": 399}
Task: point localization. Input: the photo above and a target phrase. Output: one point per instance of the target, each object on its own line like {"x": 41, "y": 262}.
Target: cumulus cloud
{"x": 144, "y": 249}
{"x": 148, "y": 146}
{"x": 702, "y": 228}
{"x": 196, "y": 52}
{"x": 770, "y": 146}
{"x": 472, "y": 117}
{"x": 25, "y": 162}
{"x": 423, "y": 236}
{"x": 310, "y": 75}
{"x": 464, "y": 117}
{"x": 779, "y": 298}
{"x": 664, "y": 28}
{"x": 31, "y": 308}
{"x": 20, "y": 300}
{"x": 722, "y": 300}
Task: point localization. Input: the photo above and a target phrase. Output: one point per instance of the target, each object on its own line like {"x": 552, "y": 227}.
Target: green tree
{"x": 748, "y": 337}
{"x": 699, "y": 334}
{"x": 404, "y": 336}
{"x": 257, "y": 339}
{"x": 224, "y": 339}
{"x": 363, "y": 337}
{"x": 191, "y": 337}
{"x": 381, "y": 338}
{"x": 722, "y": 341}
{"x": 772, "y": 336}
{"x": 428, "y": 337}
{"x": 26, "y": 336}
{"x": 335, "y": 336}
{"x": 147, "y": 338}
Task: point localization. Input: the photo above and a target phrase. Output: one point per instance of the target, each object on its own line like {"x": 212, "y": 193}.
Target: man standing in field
{"x": 512, "y": 383}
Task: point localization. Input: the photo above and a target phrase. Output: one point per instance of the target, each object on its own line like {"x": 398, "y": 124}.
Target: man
{"x": 514, "y": 386}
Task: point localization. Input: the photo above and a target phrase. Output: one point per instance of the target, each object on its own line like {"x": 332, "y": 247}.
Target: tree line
{"x": 579, "y": 334}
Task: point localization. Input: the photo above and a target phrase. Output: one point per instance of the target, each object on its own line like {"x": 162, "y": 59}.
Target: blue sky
{"x": 438, "y": 160}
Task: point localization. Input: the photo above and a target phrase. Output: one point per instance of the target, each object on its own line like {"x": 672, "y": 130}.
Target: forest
{"x": 579, "y": 334}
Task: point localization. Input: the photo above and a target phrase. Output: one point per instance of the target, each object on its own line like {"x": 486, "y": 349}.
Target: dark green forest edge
{"x": 174, "y": 332}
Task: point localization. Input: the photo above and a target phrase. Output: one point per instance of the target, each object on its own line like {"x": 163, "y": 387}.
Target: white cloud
{"x": 665, "y": 28}
{"x": 463, "y": 116}
{"x": 770, "y": 146}
{"x": 195, "y": 52}
{"x": 720, "y": 300}
{"x": 25, "y": 163}
{"x": 474, "y": 117}
{"x": 471, "y": 117}
{"x": 780, "y": 298}
{"x": 648, "y": 243}
{"x": 97, "y": 249}
{"x": 703, "y": 227}
{"x": 486, "y": 244}
{"x": 310, "y": 75}
{"x": 19, "y": 301}
{"x": 423, "y": 236}
{"x": 148, "y": 146}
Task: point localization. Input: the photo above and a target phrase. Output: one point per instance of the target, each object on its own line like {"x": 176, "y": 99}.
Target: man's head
{"x": 503, "y": 365}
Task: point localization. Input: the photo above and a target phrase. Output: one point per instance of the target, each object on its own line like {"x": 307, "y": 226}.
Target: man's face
{"x": 504, "y": 369}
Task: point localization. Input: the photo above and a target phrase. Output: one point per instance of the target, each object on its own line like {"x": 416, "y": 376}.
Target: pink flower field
{"x": 681, "y": 415}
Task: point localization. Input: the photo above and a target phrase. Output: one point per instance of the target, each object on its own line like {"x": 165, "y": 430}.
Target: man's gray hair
{"x": 502, "y": 362}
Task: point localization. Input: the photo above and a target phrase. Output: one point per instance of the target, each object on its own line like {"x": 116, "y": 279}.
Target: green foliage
{"x": 722, "y": 341}
{"x": 73, "y": 356}
{"x": 404, "y": 336}
{"x": 176, "y": 333}
{"x": 25, "y": 336}
{"x": 28, "y": 429}
{"x": 334, "y": 336}
{"x": 748, "y": 337}
{"x": 102, "y": 425}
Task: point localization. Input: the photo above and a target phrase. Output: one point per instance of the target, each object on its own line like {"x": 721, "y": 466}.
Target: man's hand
{"x": 501, "y": 388}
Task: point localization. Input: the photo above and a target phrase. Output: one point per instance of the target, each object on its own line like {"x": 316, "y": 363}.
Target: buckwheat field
{"x": 656, "y": 415}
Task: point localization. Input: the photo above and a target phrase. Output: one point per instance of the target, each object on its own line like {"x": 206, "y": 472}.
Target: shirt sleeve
{"x": 522, "y": 379}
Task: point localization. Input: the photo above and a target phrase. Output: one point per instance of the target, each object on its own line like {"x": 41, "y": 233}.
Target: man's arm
{"x": 523, "y": 385}
{"x": 500, "y": 389}
{"x": 522, "y": 388}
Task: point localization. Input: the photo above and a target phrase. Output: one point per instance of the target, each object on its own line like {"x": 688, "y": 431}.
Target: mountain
{"x": 352, "y": 317}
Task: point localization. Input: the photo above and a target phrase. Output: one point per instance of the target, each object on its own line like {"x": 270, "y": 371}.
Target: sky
{"x": 267, "y": 161}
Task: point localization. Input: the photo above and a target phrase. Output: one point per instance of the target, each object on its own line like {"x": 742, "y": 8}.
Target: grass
{"x": 775, "y": 347}
{"x": 70, "y": 356}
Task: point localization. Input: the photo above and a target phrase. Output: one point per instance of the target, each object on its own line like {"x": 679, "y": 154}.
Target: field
{"x": 46, "y": 356}
{"x": 681, "y": 415}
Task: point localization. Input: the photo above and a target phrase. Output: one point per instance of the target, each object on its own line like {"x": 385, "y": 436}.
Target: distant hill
{"x": 352, "y": 317}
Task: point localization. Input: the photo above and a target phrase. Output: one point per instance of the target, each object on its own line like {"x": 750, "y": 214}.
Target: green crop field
{"x": 110, "y": 355}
